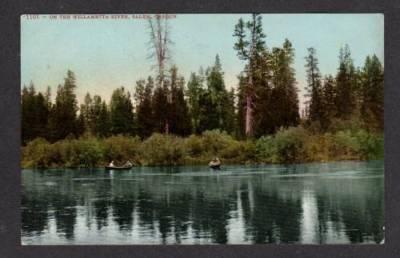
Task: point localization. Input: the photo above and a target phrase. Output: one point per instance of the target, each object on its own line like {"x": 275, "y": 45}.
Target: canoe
{"x": 215, "y": 166}
{"x": 118, "y": 168}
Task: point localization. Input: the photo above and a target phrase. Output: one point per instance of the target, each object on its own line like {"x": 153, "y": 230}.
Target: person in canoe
{"x": 128, "y": 164}
{"x": 112, "y": 166}
{"x": 215, "y": 163}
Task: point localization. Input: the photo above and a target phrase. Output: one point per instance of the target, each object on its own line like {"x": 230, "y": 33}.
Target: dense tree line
{"x": 203, "y": 104}
{"x": 35, "y": 113}
{"x": 264, "y": 101}
{"x": 354, "y": 96}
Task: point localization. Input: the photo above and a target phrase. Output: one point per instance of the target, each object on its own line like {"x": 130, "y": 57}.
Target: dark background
{"x": 10, "y": 12}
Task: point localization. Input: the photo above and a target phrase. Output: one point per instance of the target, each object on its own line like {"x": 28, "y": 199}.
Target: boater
{"x": 111, "y": 164}
{"x": 215, "y": 163}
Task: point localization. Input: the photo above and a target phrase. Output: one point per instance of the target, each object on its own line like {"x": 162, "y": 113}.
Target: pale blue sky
{"x": 106, "y": 54}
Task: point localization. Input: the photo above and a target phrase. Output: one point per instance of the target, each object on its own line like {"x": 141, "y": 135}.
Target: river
{"x": 329, "y": 203}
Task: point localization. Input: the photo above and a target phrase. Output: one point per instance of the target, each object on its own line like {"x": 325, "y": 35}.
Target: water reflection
{"x": 314, "y": 203}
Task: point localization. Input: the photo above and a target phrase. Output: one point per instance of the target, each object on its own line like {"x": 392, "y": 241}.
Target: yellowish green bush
{"x": 371, "y": 145}
{"x": 286, "y": 146}
{"x": 194, "y": 146}
{"x": 292, "y": 145}
{"x": 200, "y": 149}
{"x": 266, "y": 150}
{"x": 37, "y": 153}
{"x": 319, "y": 146}
{"x": 215, "y": 141}
{"x": 121, "y": 148}
{"x": 299, "y": 145}
{"x": 162, "y": 150}
{"x": 86, "y": 153}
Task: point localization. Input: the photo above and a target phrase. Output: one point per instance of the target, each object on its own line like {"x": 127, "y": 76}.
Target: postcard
{"x": 193, "y": 129}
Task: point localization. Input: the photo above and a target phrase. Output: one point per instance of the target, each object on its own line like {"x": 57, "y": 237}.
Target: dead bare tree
{"x": 159, "y": 50}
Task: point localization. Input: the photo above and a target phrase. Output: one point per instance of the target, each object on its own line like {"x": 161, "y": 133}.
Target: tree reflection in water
{"x": 314, "y": 203}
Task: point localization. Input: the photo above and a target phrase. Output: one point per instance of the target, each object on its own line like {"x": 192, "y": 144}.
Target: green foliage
{"x": 273, "y": 94}
{"x": 296, "y": 145}
{"x": 121, "y": 148}
{"x": 266, "y": 149}
{"x": 194, "y": 146}
{"x": 352, "y": 124}
{"x": 229, "y": 109}
{"x": 353, "y": 100}
{"x": 121, "y": 112}
{"x": 345, "y": 88}
{"x": 314, "y": 88}
{"x": 83, "y": 153}
{"x": 65, "y": 153}
{"x": 328, "y": 102}
{"x": 178, "y": 110}
{"x": 35, "y": 113}
{"x": 159, "y": 107}
{"x": 95, "y": 116}
{"x": 215, "y": 141}
{"x": 102, "y": 123}
{"x": 292, "y": 145}
{"x": 343, "y": 117}
{"x": 345, "y": 145}
{"x": 250, "y": 46}
{"x": 200, "y": 149}
{"x": 371, "y": 145}
{"x": 63, "y": 116}
{"x": 163, "y": 150}
{"x": 287, "y": 146}
{"x": 372, "y": 93}
{"x": 274, "y": 102}
{"x": 213, "y": 107}
{"x": 283, "y": 99}
{"x": 144, "y": 110}
{"x": 194, "y": 90}
{"x": 241, "y": 112}
{"x": 37, "y": 154}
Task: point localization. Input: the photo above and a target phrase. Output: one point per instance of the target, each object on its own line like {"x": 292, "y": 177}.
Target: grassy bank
{"x": 293, "y": 145}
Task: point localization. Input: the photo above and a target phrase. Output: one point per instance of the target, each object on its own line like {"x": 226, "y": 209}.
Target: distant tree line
{"x": 353, "y": 95}
{"x": 204, "y": 104}
{"x": 265, "y": 99}
{"x": 268, "y": 95}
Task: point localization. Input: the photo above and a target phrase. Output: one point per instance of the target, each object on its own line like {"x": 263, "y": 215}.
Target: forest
{"x": 172, "y": 120}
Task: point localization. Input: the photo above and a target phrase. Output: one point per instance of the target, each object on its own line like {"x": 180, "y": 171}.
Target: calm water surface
{"x": 340, "y": 202}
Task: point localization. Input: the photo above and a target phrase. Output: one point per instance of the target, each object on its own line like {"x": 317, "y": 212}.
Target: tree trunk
{"x": 249, "y": 114}
{"x": 249, "y": 108}
{"x": 166, "y": 127}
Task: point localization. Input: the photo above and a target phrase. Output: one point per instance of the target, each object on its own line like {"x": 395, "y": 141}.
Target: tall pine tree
{"x": 249, "y": 46}
{"x": 194, "y": 92}
{"x": 160, "y": 108}
{"x": 345, "y": 85}
{"x": 63, "y": 116}
{"x": 329, "y": 96}
{"x": 86, "y": 111}
{"x": 179, "y": 118}
{"x": 372, "y": 93}
{"x": 121, "y": 112}
{"x": 314, "y": 88}
{"x": 144, "y": 111}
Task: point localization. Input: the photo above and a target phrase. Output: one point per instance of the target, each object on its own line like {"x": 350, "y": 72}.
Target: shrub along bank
{"x": 292, "y": 145}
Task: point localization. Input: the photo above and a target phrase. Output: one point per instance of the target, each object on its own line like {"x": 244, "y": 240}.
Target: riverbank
{"x": 293, "y": 145}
